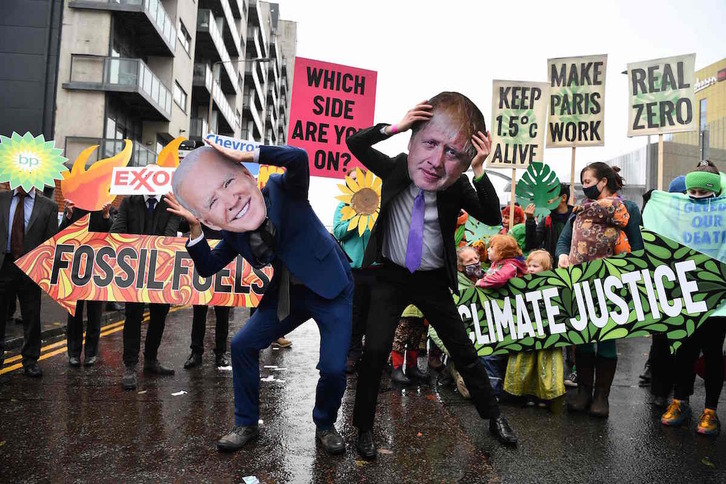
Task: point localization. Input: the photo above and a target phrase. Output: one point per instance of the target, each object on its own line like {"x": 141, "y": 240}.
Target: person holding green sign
{"x": 603, "y": 226}
{"x": 703, "y": 185}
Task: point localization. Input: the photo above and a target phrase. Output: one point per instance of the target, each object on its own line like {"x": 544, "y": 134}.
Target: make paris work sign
{"x": 519, "y": 116}
{"x": 329, "y": 103}
{"x": 661, "y": 95}
{"x": 577, "y": 101}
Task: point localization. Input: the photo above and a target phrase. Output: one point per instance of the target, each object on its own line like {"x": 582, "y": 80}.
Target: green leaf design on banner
{"x": 539, "y": 185}
{"x": 703, "y": 278}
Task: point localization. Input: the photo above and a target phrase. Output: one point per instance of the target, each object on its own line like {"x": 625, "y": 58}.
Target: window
{"x": 702, "y": 116}
{"x": 184, "y": 38}
{"x": 180, "y": 97}
{"x": 238, "y": 117}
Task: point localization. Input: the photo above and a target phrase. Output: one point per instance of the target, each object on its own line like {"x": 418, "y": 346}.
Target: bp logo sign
{"x": 30, "y": 162}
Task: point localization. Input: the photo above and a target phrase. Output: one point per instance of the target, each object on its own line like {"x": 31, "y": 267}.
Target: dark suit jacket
{"x": 306, "y": 248}
{"x": 42, "y": 225}
{"x": 482, "y": 203}
{"x": 96, "y": 222}
{"x": 132, "y": 217}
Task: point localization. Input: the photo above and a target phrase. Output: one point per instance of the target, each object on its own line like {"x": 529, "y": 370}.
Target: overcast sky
{"x": 423, "y": 47}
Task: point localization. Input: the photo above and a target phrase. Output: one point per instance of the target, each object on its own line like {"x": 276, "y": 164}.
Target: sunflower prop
{"x": 30, "y": 162}
{"x": 363, "y": 200}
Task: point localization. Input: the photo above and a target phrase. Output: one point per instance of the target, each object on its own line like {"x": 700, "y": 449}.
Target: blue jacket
{"x": 303, "y": 244}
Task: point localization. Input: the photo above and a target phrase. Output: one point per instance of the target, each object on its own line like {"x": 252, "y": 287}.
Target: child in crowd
{"x": 518, "y": 218}
{"x": 507, "y": 262}
{"x": 467, "y": 263}
{"x": 410, "y": 330}
{"x": 703, "y": 184}
{"x": 536, "y": 374}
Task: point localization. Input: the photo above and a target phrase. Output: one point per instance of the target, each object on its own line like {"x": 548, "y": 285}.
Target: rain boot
{"x": 585, "y": 376}
{"x": 605, "y": 372}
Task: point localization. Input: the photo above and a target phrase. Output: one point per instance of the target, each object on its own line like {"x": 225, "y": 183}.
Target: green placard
{"x": 665, "y": 288}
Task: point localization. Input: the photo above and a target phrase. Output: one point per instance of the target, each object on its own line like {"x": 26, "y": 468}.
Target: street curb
{"x": 106, "y": 319}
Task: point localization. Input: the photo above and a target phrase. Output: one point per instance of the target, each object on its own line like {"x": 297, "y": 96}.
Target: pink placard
{"x": 329, "y": 103}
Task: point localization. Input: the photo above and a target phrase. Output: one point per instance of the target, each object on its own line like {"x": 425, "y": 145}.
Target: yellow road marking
{"x": 62, "y": 345}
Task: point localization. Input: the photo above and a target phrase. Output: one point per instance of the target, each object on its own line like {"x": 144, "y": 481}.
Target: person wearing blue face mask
{"x": 701, "y": 184}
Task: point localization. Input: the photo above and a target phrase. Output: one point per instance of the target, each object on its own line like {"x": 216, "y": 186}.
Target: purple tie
{"x": 415, "y": 234}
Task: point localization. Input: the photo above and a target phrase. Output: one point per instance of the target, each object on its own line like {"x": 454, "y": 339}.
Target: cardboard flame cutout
{"x": 89, "y": 189}
{"x": 169, "y": 156}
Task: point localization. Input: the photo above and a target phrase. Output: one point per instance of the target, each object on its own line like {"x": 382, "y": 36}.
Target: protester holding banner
{"x": 28, "y": 219}
{"x": 144, "y": 214}
{"x": 536, "y": 374}
{"x": 99, "y": 221}
{"x": 603, "y": 226}
{"x": 199, "y": 321}
{"x": 354, "y": 244}
{"x": 312, "y": 276}
{"x": 703, "y": 185}
{"x": 545, "y": 233}
{"x": 413, "y": 239}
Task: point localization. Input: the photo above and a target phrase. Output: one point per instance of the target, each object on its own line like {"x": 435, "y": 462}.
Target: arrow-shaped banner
{"x": 665, "y": 288}
{"x": 80, "y": 265}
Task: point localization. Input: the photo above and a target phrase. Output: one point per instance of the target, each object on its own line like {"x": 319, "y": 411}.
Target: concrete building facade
{"x": 145, "y": 70}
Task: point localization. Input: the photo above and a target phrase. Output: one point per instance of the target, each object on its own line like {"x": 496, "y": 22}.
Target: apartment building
{"x": 146, "y": 70}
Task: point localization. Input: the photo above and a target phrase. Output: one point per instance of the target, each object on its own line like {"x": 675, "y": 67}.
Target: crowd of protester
{"x": 603, "y": 225}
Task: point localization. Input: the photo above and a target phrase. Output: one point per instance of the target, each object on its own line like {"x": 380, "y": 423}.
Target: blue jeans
{"x": 496, "y": 367}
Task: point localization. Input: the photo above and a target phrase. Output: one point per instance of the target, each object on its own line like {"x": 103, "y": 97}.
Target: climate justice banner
{"x": 577, "y": 101}
{"x": 329, "y": 103}
{"x": 519, "y": 117}
{"x": 79, "y": 265}
{"x": 665, "y": 288}
{"x": 661, "y": 95}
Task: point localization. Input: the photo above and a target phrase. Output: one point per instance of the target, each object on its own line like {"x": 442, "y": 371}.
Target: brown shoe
{"x": 282, "y": 343}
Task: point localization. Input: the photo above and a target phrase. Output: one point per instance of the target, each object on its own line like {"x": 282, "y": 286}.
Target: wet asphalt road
{"x": 79, "y": 425}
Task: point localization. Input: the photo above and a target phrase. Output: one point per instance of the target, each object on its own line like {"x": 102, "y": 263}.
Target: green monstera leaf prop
{"x": 665, "y": 288}
{"x": 474, "y": 230}
{"x": 539, "y": 185}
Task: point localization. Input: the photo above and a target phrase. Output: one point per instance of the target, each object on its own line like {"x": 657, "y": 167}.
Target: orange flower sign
{"x": 79, "y": 265}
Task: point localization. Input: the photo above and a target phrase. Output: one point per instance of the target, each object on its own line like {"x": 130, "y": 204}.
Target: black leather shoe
{"x": 397, "y": 376}
{"x": 502, "y": 431}
{"x": 156, "y": 368}
{"x": 90, "y": 360}
{"x": 33, "y": 370}
{"x": 237, "y": 438}
{"x": 331, "y": 441}
{"x": 74, "y": 361}
{"x": 128, "y": 382}
{"x": 222, "y": 360}
{"x": 415, "y": 374}
{"x": 194, "y": 360}
{"x": 366, "y": 446}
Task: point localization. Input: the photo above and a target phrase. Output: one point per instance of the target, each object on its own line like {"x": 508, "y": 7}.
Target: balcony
{"x": 209, "y": 45}
{"x": 230, "y": 35}
{"x": 130, "y": 79}
{"x": 140, "y": 154}
{"x": 198, "y": 128}
{"x": 154, "y": 29}
{"x": 202, "y": 87}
